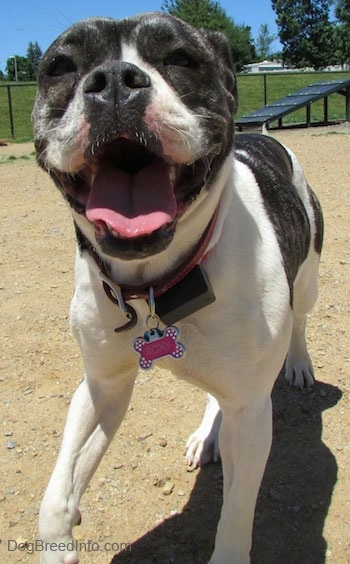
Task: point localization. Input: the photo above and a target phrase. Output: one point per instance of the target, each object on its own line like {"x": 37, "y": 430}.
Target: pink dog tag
{"x": 157, "y": 344}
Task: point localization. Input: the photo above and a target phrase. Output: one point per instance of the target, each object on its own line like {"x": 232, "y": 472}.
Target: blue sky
{"x": 43, "y": 20}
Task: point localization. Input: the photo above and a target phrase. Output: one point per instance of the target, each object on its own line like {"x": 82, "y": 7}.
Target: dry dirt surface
{"x": 143, "y": 505}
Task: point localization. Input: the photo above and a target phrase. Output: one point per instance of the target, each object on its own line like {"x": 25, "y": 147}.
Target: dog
{"x": 197, "y": 249}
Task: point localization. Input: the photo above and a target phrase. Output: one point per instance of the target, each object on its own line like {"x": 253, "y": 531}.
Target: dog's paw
{"x": 300, "y": 374}
{"x": 59, "y": 553}
{"x": 202, "y": 448}
{"x": 61, "y": 550}
{"x": 71, "y": 559}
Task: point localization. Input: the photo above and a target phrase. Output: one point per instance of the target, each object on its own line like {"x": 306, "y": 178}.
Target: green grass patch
{"x": 331, "y": 133}
{"x": 22, "y": 100}
{"x": 9, "y": 159}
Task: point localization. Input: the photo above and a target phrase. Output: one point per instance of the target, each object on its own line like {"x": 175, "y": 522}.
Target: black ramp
{"x": 300, "y": 99}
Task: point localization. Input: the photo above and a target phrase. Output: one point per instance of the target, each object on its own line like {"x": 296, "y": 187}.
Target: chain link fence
{"x": 16, "y": 104}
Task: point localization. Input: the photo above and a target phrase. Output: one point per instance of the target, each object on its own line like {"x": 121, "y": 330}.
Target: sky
{"x": 43, "y": 20}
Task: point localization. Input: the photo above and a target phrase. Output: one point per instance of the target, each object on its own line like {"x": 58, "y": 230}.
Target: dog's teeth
{"x": 113, "y": 231}
{"x": 94, "y": 170}
{"x": 172, "y": 174}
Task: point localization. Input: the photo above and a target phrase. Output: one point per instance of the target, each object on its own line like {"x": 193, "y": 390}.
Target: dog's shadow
{"x": 293, "y": 500}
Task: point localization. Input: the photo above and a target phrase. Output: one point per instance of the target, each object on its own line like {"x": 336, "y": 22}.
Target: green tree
{"x": 24, "y": 68}
{"x": 342, "y": 11}
{"x": 16, "y": 68}
{"x": 342, "y": 31}
{"x": 305, "y": 32}
{"x": 264, "y": 41}
{"x": 34, "y": 54}
{"x": 210, "y": 15}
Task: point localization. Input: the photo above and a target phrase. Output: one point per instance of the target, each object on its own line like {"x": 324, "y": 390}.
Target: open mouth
{"x": 132, "y": 196}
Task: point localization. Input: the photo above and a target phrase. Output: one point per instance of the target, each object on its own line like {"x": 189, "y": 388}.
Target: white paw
{"x": 55, "y": 547}
{"x": 300, "y": 374}
{"x": 59, "y": 552}
{"x": 202, "y": 447}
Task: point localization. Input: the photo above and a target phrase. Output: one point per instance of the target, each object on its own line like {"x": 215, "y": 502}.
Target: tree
{"x": 342, "y": 11}
{"x": 263, "y": 42}
{"x": 24, "y": 68}
{"x": 342, "y": 31}
{"x": 16, "y": 68}
{"x": 34, "y": 54}
{"x": 210, "y": 15}
{"x": 305, "y": 32}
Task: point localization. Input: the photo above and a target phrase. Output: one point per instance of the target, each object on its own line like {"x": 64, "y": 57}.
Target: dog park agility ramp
{"x": 302, "y": 98}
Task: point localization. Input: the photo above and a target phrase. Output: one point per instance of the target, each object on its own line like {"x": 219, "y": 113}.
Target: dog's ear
{"x": 221, "y": 46}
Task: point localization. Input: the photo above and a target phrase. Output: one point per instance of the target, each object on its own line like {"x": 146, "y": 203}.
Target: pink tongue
{"x": 132, "y": 205}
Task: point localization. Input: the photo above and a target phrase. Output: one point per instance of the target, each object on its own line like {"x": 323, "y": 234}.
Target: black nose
{"x": 115, "y": 82}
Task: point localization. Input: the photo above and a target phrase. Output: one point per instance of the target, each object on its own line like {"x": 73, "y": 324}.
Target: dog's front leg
{"x": 245, "y": 442}
{"x": 96, "y": 411}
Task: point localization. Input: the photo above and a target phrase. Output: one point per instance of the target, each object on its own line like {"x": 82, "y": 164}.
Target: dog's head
{"x": 133, "y": 119}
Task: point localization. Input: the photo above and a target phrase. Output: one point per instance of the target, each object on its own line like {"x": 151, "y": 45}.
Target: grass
{"x": 330, "y": 133}
{"x": 250, "y": 90}
{"x": 15, "y": 159}
{"x": 22, "y": 98}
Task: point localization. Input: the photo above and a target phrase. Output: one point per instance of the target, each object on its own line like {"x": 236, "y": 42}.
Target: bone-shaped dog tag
{"x": 156, "y": 344}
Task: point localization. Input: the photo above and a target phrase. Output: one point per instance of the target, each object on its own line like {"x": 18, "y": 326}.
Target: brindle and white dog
{"x": 134, "y": 122}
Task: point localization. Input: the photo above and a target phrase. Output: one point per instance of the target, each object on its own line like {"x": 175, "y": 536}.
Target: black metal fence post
{"x": 10, "y": 111}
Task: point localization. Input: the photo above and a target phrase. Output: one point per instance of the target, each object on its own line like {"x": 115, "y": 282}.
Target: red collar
{"x": 161, "y": 286}
{"x": 169, "y": 280}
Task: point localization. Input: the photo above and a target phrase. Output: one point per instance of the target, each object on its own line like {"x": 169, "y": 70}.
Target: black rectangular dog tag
{"x": 191, "y": 294}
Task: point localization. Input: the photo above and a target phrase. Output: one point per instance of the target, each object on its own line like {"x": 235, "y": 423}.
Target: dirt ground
{"x": 142, "y": 493}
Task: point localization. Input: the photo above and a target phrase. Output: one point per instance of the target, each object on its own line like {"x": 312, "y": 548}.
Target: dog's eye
{"x": 180, "y": 58}
{"x": 61, "y": 65}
